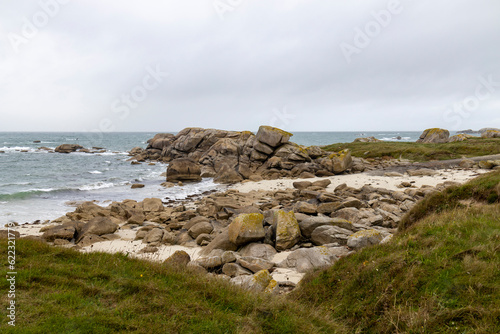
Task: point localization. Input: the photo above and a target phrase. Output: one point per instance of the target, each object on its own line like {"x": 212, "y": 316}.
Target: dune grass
{"x": 63, "y": 291}
{"x": 440, "y": 275}
{"x": 421, "y": 152}
{"x": 485, "y": 188}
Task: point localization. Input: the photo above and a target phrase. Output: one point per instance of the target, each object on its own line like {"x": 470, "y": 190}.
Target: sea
{"x": 37, "y": 185}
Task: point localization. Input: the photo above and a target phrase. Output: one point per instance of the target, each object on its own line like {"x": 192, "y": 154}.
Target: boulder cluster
{"x": 249, "y": 237}
{"x": 231, "y": 156}
{"x": 437, "y": 136}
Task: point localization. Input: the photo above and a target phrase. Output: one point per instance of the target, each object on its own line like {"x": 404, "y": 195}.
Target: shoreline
{"x": 125, "y": 238}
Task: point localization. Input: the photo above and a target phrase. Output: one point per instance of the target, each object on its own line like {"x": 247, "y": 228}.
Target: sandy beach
{"x": 359, "y": 180}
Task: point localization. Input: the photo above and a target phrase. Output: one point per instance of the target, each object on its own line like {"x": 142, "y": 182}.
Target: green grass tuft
{"x": 485, "y": 188}
{"x": 64, "y": 291}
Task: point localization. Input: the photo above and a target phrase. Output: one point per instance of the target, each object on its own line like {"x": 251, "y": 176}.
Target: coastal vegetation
{"x": 421, "y": 152}
{"x": 439, "y": 274}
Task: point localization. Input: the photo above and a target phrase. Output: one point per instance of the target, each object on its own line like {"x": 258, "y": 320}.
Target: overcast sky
{"x": 301, "y": 65}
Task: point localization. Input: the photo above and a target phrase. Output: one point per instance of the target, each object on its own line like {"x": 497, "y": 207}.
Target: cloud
{"x": 235, "y": 72}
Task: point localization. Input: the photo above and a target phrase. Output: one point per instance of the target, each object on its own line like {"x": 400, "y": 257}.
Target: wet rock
{"x": 68, "y": 148}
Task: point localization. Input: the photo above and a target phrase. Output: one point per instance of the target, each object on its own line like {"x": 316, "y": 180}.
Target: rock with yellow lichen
{"x": 491, "y": 134}
{"x": 271, "y": 136}
{"x": 259, "y": 282}
{"x": 364, "y": 238}
{"x": 338, "y": 162}
{"x": 460, "y": 137}
{"x": 287, "y": 230}
{"x": 246, "y": 228}
{"x": 435, "y": 136}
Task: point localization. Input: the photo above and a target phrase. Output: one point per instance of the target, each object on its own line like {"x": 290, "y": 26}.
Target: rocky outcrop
{"x": 492, "y": 133}
{"x": 367, "y": 140}
{"x": 460, "y": 137}
{"x": 68, "y": 148}
{"x": 231, "y": 156}
{"x": 183, "y": 170}
{"x": 435, "y": 136}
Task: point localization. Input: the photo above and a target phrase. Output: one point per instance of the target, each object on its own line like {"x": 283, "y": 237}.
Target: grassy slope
{"x": 422, "y": 152}
{"x": 441, "y": 275}
{"x": 63, "y": 291}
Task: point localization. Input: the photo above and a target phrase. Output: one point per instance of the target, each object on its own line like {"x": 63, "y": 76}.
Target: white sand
{"x": 133, "y": 248}
{"x": 359, "y": 180}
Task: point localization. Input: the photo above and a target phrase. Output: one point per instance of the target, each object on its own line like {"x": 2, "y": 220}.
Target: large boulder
{"x": 271, "y": 136}
{"x": 364, "y": 238}
{"x": 227, "y": 175}
{"x": 307, "y": 226}
{"x": 68, "y": 148}
{"x": 179, "y": 258}
{"x": 328, "y": 234}
{"x": 220, "y": 242}
{"x": 59, "y": 232}
{"x": 287, "y": 230}
{"x": 491, "y": 133}
{"x": 460, "y": 137}
{"x": 183, "y": 170}
{"x": 152, "y": 205}
{"x": 246, "y": 228}
{"x": 98, "y": 226}
{"x": 160, "y": 141}
{"x": 255, "y": 250}
{"x": 338, "y": 162}
{"x": 306, "y": 259}
{"x": 434, "y": 135}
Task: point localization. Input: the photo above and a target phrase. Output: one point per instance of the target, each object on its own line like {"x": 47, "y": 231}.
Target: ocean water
{"x": 36, "y": 185}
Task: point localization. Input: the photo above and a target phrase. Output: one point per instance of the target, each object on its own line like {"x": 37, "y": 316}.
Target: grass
{"x": 421, "y": 152}
{"x": 485, "y": 188}
{"x": 440, "y": 275}
{"x": 63, "y": 291}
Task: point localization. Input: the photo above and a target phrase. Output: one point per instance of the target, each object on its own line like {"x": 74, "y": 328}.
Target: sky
{"x": 300, "y": 65}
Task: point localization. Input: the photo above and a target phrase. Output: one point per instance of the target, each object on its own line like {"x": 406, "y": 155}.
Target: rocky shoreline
{"x": 288, "y": 209}
{"x": 261, "y": 238}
